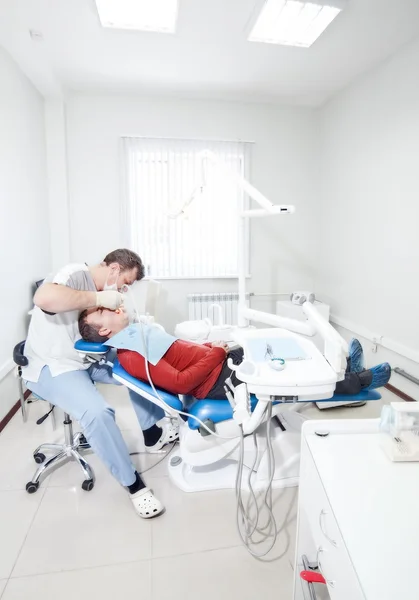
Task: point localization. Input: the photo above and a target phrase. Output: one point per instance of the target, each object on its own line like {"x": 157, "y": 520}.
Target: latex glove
{"x": 109, "y": 299}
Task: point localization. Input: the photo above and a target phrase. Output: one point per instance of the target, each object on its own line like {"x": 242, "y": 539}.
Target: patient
{"x": 201, "y": 370}
{"x": 186, "y": 368}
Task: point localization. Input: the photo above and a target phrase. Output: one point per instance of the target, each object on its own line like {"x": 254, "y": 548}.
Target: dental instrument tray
{"x": 400, "y": 431}
{"x": 275, "y": 348}
{"x": 280, "y": 363}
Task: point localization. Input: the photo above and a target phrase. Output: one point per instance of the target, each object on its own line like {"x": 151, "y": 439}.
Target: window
{"x": 181, "y": 228}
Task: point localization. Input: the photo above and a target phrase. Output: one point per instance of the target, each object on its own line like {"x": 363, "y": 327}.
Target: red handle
{"x": 312, "y": 577}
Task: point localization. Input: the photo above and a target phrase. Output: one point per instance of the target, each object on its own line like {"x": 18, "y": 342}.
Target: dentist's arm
{"x": 56, "y": 298}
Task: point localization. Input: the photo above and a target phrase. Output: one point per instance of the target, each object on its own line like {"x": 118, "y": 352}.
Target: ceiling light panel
{"x": 293, "y": 22}
{"x": 141, "y": 15}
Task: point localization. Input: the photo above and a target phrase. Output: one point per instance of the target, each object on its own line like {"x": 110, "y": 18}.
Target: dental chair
{"x": 69, "y": 450}
{"x": 205, "y": 462}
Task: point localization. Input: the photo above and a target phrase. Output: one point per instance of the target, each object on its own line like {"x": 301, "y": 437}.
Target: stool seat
{"x": 18, "y": 354}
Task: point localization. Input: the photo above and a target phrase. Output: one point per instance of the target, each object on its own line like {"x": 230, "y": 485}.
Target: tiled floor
{"x": 63, "y": 542}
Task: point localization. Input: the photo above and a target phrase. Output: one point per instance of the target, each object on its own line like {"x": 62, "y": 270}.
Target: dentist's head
{"x": 119, "y": 268}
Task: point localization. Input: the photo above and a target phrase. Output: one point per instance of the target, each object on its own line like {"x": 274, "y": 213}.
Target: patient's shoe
{"x": 356, "y": 356}
{"x": 169, "y": 433}
{"x": 380, "y": 376}
{"x": 146, "y": 505}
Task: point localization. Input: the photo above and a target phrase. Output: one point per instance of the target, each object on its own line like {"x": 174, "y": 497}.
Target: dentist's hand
{"x": 109, "y": 299}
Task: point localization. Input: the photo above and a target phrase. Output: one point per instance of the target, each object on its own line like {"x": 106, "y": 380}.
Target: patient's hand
{"x": 222, "y": 345}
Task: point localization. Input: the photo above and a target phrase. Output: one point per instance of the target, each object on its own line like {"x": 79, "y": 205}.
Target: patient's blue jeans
{"x": 77, "y": 395}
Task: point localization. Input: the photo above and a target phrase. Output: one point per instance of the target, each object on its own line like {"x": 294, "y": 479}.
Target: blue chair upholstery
{"x": 91, "y": 347}
{"x": 213, "y": 410}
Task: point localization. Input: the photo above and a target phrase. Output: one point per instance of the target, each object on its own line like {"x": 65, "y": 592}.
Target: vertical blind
{"x": 160, "y": 178}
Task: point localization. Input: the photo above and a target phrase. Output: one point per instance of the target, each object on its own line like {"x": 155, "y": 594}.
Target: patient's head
{"x": 100, "y": 324}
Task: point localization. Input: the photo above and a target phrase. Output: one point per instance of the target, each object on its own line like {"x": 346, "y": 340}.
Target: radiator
{"x": 199, "y": 306}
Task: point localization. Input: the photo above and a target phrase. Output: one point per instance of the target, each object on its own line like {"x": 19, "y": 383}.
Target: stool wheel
{"x": 88, "y": 485}
{"x": 31, "y": 487}
{"x": 84, "y": 442}
{"x": 39, "y": 458}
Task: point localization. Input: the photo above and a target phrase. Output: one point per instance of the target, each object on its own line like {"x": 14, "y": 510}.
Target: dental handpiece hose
{"x": 246, "y": 525}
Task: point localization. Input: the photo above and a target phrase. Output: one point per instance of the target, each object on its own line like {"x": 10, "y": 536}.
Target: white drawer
{"x": 336, "y": 565}
{"x": 337, "y": 569}
{"x": 314, "y": 501}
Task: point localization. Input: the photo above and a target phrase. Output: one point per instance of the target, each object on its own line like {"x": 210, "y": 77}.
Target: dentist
{"x": 57, "y": 372}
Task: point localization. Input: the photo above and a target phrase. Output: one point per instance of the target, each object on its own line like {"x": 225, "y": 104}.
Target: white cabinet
{"x": 357, "y": 515}
{"x": 319, "y": 537}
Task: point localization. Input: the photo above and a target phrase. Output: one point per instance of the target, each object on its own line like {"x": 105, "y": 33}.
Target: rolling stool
{"x": 72, "y": 442}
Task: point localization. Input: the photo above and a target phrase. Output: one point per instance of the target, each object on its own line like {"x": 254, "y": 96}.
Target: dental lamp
{"x": 335, "y": 345}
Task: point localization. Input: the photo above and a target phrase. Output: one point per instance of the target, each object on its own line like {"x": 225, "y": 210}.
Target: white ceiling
{"x": 207, "y": 57}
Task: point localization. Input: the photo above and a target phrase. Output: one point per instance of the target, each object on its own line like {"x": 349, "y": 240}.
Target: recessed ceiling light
{"x": 142, "y": 15}
{"x": 294, "y": 22}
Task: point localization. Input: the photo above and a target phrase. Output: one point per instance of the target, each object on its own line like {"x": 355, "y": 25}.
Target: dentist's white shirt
{"x": 51, "y": 338}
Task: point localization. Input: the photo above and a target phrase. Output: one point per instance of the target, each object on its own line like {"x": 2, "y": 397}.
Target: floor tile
{"x": 17, "y": 510}
{"x": 192, "y": 522}
{"x": 71, "y": 476}
{"x": 75, "y": 529}
{"x": 153, "y": 465}
{"x": 285, "y": 505}
{"x": 17, "y": 465}
{"x": 222, "y": 574}
{"x": 2, "y": 585}
{"x": 129, "y": 580}
{"x": 284, "y": 509}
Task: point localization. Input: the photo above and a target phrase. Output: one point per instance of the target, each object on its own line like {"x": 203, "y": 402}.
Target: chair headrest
{"x": 91, "y": 347}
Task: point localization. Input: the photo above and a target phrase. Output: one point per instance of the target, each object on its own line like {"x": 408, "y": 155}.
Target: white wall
{"x": 283, "y": 167}
{"x": 369, "y": 225}
{"x": 56, "y": 160}
{"x": 24, "y": 231}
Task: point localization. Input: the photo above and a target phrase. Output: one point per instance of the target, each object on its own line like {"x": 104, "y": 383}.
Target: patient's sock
{"x": 364, "y": 378}
{"x": 380, "y": 375}
{"x": 152, "y": 435}
{"x": 137, "y": 485}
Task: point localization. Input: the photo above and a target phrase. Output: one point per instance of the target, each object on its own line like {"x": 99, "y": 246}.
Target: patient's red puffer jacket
{"x": 186, "y": 368}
